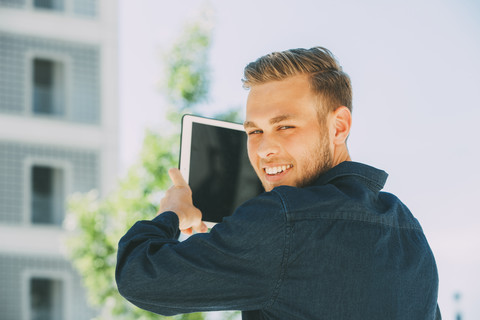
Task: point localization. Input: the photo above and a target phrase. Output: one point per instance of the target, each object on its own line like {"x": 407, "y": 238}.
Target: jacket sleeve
{"x": 237, "y": 266}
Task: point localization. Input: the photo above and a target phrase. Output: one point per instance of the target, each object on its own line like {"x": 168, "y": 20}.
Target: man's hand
{"x": 179, "y": 200}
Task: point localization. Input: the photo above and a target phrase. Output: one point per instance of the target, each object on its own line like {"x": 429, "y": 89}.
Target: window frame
{"x": 29, "y": 163}
{"x": 56, "y": 58}
{"x": 67, "y": 7}
{"x": 64, "y": 276}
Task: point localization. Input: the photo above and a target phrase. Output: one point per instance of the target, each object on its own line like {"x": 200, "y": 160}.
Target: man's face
{"x": 286, "y": 143}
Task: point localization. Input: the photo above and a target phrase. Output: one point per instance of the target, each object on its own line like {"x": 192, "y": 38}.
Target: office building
{"x": 58, "y": 135}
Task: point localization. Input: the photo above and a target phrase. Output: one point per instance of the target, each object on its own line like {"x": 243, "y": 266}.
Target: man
{"x": 321, "y": 243}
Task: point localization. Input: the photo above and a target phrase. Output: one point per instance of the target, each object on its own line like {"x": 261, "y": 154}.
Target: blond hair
{"x": 327, "y": 79}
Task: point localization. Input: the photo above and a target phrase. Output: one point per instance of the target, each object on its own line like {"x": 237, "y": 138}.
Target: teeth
{"x": 275, "y": 170}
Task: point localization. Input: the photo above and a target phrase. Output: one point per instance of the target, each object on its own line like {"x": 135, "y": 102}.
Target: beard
{"x": 321, "y": 162}
{"x": 315, "y": 160}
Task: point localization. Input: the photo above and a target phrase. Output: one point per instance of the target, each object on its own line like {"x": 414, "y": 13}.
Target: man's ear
{"x": 342, "y": 121}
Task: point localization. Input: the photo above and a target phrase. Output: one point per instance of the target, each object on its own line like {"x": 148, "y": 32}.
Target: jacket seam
{"x": 286, "y": 253}
{"x": 411, "y": 226}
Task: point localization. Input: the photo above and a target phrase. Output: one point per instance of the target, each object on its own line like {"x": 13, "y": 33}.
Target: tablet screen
{"x": 219, "y": 172}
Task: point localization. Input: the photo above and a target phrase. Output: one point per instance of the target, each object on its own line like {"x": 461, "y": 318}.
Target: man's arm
{"x": 236, "y": 266}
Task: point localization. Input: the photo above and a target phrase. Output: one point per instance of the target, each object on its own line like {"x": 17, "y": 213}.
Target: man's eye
{"x": 254, "y": 132}
{"x": 285, "y": 127}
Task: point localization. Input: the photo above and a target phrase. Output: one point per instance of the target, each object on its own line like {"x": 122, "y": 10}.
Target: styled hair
{"x": 327, "y": 79}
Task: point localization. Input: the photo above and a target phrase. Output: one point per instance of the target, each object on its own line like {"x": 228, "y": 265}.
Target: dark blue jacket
{"x": 339, "y": 249}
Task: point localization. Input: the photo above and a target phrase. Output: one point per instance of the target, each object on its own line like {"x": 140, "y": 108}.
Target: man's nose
{"x": 267, "y": 147}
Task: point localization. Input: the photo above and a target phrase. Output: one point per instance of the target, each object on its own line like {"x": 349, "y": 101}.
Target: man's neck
{"x": 340, "y": 155}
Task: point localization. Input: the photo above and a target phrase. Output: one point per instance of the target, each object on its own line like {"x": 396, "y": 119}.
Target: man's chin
{"x": 270, "y": 186}
{"x": 267, "y": 187}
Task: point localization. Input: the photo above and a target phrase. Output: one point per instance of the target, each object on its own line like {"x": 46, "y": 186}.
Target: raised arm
{"x": 237, "y": 266}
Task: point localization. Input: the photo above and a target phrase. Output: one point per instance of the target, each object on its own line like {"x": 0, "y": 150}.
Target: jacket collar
{"x": 374, "y": 178}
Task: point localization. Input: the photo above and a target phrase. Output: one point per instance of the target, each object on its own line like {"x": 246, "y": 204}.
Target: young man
{"x": 323, "y": 242}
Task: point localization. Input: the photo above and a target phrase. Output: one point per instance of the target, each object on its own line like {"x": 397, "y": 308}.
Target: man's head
{"x": 327, "y": 80}
{"x": 298, "y": 115}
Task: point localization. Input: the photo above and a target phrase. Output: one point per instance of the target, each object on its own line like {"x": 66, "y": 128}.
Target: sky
{"x": 414, "y": 67}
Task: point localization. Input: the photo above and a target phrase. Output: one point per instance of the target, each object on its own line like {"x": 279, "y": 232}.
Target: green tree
{"x": 188, "y": 81}
{"x": 97, "y": 223}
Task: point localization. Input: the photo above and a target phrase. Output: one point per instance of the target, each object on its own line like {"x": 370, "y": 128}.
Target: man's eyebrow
{"x": 274, "y": 120}
{"x": 249, "y": 124}
{"x": 281, "y": 118}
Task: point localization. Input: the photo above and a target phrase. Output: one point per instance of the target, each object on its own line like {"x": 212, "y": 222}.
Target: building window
{"x": 56, "y": 5}
{"x": 48, "y": 87}
{"x": 46, "y": 299}
{"x": 47, "y": 195}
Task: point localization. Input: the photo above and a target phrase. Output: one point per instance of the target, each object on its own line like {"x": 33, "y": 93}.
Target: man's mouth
{"x": 277, "y": 170}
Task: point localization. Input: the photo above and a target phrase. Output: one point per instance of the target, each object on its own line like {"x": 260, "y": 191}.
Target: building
{"x": 58, "y": 135}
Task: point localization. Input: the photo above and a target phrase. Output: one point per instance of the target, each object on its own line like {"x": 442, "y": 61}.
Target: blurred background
{"x": 85, "y": 96}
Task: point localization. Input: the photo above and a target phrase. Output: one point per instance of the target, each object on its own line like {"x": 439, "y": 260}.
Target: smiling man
{"x": 291, "y": 140}
{"x": 323, "y": 241}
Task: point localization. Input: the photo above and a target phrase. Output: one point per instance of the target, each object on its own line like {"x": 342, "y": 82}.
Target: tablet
{"x": 214, "y": 162}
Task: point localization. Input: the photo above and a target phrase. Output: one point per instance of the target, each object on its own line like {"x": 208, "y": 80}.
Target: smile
{"x": 277, "y": 170}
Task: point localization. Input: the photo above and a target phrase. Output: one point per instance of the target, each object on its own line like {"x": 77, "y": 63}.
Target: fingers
{"x": 177, "y": 178}
{"x": 194, "y": 224}
{"x": 200, "y": 228}
{"x": 188, "y": 231}
{"x": 180, "y": 202}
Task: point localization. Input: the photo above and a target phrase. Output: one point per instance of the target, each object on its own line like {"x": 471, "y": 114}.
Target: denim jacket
{"x": 338, "y": 249}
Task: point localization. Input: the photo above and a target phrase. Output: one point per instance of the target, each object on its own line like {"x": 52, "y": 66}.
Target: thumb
{"x": 177, "y": 178}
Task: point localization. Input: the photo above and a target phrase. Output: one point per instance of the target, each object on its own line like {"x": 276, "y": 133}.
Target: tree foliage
{"x": 187, "y": 81}
{"x": 97, "y": 223}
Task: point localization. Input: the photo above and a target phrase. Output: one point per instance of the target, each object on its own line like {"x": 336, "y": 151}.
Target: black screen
{"x": 221, "y": 176}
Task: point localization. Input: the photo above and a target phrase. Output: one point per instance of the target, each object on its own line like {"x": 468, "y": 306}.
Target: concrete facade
{"x": 58, "y": 135}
